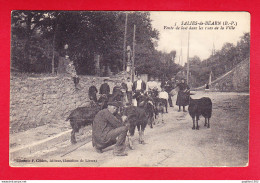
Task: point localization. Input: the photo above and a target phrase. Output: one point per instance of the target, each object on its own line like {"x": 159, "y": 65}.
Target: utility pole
{"x": 133, "y": 59}
{"x": 188, "y": 64}
{"x": 124, "y": 62}
{"x": 180, "y": 58}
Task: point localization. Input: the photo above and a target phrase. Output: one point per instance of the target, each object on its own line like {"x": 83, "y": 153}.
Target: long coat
{"x": 103, "y": 123}
{"x": 183, "y": 95}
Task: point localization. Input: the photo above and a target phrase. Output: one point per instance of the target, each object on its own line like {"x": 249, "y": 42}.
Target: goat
{"x": 150, "y": 111}
{"x": 84, "y": 116}
{"x": 197, "y": 107}
{"x": 137, "y": 116}
{"x": 80, "y": 117}
{"x": 149, "y": 107}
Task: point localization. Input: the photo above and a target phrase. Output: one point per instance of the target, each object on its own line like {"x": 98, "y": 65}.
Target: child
{"x": 164, "y": 96}
{"x": 92, "y": 92}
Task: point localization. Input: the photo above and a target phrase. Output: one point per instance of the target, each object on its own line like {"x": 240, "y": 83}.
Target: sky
{"x": 201, "y": 41}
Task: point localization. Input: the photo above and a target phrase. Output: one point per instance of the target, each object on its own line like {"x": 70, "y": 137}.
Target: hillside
{"x": 235, "y": 80}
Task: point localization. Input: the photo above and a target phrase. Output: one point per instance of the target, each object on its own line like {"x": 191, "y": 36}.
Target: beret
{"x": 114, "y": 103}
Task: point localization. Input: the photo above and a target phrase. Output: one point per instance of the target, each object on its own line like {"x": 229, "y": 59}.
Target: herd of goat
{"x": 147, "y": 110}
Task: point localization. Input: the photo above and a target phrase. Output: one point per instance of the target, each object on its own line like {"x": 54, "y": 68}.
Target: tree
{"x": 41, "y": 35}
{"x": 194, "y": 60}
{"x": 26, "y": 29}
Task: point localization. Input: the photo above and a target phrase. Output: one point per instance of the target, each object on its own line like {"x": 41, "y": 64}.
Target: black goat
{"x": 80, "y": 117}
{"x": 137, "y": 117}
{"x": 84, "y": 116}
{"x": 149, "y": 107}
{"x": 197, "y": 107}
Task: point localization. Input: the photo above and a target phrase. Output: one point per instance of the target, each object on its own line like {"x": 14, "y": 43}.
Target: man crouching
{"x": 107, "y": 130}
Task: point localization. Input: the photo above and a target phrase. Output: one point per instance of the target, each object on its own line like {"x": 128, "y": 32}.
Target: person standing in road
{"x": 117, "y": 92}
{"x": 124, "y": 90}
{"x": 183, "y": 95}
{"x": 104, "y": 88}
{"x": 139, "y": 85}
{"x": 169, "y": 86}
{"x": 92, "y": 92}
{"x": 129, "y": 92}
{"x": 164, "y": 96}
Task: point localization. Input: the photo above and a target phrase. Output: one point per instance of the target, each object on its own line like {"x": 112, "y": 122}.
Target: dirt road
{"x": 174, "y": 143}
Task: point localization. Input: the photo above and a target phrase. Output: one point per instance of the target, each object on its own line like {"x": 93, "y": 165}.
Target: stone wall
{"x": 236, "y": 80}
{"x": 36, "y": 101}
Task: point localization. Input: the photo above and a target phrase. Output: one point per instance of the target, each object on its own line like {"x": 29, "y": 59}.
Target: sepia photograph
{"x": 129, "y": 89}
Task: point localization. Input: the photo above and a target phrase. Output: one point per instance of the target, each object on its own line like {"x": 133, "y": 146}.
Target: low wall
{"x": 36, "y": 101}
{"x": 236, "y": 80}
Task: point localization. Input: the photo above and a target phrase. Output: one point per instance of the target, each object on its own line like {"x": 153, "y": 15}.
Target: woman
{"x": 183, "y": 95}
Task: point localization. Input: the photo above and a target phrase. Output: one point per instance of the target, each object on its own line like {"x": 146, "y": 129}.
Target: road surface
{"x": 174, "y": 143}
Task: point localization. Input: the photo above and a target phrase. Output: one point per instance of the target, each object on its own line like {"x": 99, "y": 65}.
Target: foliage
{"x": 40, "y": 36}
{"x": 221, "y": 62}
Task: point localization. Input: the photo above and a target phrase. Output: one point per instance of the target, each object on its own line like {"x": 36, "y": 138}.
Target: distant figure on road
{"x": 129, "y": 92}
{"x": 92, "y": 92}
{"x": 207, "y": 87}
{"x": 104, "y": 88}
{"x": 183, "y": 95}
{"x": 108, "y": 130}
{"x": 72, "y": 71}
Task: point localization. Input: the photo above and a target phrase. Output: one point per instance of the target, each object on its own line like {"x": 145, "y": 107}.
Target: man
{"x": 92, "y": 92}
{"x": 129, "y": 90}
{"x": 183, "y": 95}
{"x": 151, "y": 85}
{"x": 72, "y": 71}
{"x": 139, "y": 87}
{"x": 108, "y": 130}
{"x": 169, "y": 86}
{"x": 117, "y": 92}
{"x": 104, "y": 88}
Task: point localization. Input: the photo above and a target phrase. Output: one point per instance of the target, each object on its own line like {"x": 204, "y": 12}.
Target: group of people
{"x": 108, "y": 129}
{"x": 125, "y": 90}
{"x": 122, "y": 90}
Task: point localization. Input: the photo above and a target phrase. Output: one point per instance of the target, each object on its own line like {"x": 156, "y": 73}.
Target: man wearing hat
{"x": 104, "y": 88}
{"x": 108, "y": 130}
